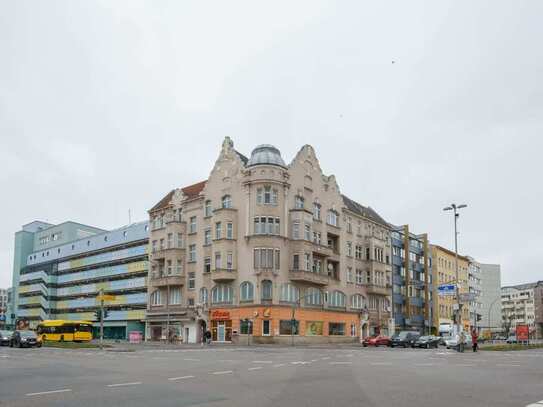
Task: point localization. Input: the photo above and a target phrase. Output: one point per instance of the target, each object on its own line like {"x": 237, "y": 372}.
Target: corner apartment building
{"x": 269, "y": 250}
{"x": 3, "y": 306}
{"x": 60, "y": 277}
{"x": 412, "y": 280}
{"x": 490, "y": 298}
{"x": 475, "y": 307}
{"x": 519, "y": 306}
{"x": 444, "y": 271}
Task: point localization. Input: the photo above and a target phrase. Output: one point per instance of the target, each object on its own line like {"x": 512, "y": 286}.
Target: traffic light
{"x": 98, "y": 314}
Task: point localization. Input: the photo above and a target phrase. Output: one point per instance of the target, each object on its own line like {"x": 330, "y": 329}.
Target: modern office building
{"x": 538, "y": 309}
{"x": 475, "y": 306}
{"x": 490, "y": 298}
{"x": 412, "y": 280}
{"x": 3, "y": 306}
{"x": 519, "y": 306}
{"x": 269, "y": 250}
{"x": 444, "y": 271}
{"x": 62, "y": 268}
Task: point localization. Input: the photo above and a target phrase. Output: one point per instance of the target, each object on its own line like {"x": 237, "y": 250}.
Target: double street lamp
{"x": 454, "y": 207}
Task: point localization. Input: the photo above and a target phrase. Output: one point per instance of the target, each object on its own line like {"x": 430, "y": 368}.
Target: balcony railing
{"x": 222, "y": 275}
{"x": 165, "y": 280}
{"x": 377, "y": 289}
{"x": 303, "y": 276}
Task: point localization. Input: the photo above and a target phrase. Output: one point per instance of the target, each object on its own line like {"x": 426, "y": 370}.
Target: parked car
{"x": 25, "y": 338}
{"x": 452, "y": 343}
{"x": 443, "y": 340}
{"x": 377, "y": 340}
{"x": 5, "y": 337}
{"x": 404, "y": 339}
{"x": 427, "y": 342}
{"x": 512, "y": 339}
{"x": 500, "y": 338}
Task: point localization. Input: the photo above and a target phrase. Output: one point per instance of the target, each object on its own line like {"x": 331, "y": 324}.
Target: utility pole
{"x": 458, "y": 318}
{"x": 101, "y": 319}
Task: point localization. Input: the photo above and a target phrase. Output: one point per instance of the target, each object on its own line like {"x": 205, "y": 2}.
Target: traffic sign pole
{"x": 101, "y": 319}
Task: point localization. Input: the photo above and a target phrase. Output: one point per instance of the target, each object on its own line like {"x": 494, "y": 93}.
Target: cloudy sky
{"x": 106, "y": 106}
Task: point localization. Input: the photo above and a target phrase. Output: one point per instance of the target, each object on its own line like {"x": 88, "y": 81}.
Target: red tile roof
{"x": 191, "y": 191}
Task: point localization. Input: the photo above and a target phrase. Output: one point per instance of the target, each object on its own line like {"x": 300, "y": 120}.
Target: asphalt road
{"x": 269, "y": 376}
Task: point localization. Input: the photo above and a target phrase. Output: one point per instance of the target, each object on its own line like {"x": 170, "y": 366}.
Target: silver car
{"x": 452, "y": 343}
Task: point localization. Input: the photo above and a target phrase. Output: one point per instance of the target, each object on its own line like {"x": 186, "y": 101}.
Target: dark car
{"x": 427, "y": 342}
{"x": 24, "y": 339}
{"x": 376, "y": 340}
{"x": 404, "y": 339}
{"x": 5, "y": 337}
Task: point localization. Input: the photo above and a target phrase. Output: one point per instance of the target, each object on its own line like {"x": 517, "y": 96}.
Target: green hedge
{"x": 516, "y": 346}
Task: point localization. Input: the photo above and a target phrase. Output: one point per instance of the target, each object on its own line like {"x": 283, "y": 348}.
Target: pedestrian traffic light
{"x": 98, "y": 314}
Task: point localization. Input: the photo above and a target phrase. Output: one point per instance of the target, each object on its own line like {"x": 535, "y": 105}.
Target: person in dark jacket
{"x": 474, "y": 338}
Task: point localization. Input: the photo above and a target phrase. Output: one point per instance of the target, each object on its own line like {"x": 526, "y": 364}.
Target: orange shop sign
{"x": 220, "y": 315}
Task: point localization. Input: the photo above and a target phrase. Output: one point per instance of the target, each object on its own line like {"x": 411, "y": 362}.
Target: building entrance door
{"x": 220, "y": 332}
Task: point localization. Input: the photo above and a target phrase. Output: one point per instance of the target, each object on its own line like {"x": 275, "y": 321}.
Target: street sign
{"x": 446, "y": 289}
{"x": 467, "y": 297}
{"x": 105, "y": 297}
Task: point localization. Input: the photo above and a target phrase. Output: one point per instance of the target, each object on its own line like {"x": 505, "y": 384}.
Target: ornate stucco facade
{"x": 267, "y": 249}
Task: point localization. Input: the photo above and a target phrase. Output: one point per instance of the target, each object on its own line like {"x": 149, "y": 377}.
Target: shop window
{"x": 245, "y": 327}
{"x": 289, "y": 327}
{"x": 314, "y": 328}
{"x": 336, "y": 328}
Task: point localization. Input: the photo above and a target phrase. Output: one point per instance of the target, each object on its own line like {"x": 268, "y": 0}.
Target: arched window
{"x": 337, "y": 299}
{"x": 289, "y": 293}
{"x": 267, "y": 290}
{"x": 156, "y": 298}
{"x": 246, "y": 291}
{"x": 203, "y": 296}
{"x": 227, "y": 201}
{"x": 222, "y": 294}
{"x": 313, "y": 296}
{"x": 358, "y": 301}
{"x": 207, "y": 208}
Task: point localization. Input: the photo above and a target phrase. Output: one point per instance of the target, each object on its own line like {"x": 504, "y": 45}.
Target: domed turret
{"x": 266, "y": 154}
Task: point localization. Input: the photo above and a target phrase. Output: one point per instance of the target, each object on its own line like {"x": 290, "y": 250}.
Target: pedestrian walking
{"x": 208, "y": 337}
{"x": 461, "y": 342}
{"x": 474, "y": 338}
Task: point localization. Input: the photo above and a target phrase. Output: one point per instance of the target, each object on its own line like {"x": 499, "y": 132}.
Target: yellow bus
{"x": 64, "y": 331}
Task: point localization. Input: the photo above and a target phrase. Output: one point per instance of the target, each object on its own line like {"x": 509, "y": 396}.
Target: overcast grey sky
{"x": 105, "y": 107}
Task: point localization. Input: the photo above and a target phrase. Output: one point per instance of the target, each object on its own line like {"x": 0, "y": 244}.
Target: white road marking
{"x": 262, "y": 361}
{"x": 123, "y": 384}
{"x": 191, "y": 360}
{"x": 325, "y": 358}
{"x": 222, "y": 372}
{"x": 48, "y": 392}
{"x": 506, "y": 365}
{"x": 180, "y": 378}
{"x": 465, "y": 365}
{"x": 255, "y": 368}
{"x": 300, "y": 362}
{"x": 314, "y": 360}
{"x": 424, "y": 364}
{"x": 380, "y": 364}
{"x": 279, "y": 365}
{"x": 341, "y": 363}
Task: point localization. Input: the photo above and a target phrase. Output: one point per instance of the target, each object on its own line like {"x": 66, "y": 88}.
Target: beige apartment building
{"x": 444, "y": 271}
{"x": 267, "y": 252}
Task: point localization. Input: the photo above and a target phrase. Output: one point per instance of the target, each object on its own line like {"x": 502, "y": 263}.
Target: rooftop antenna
{"x": 129, "y": 217}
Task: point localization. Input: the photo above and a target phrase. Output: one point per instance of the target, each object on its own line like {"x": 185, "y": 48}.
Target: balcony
{"x": 303, "y": 276}
{"x": 416, "y": 301}
{"x": 223, "y": 275}
{"x": 160, "y": 253}
{"x": 164, "y": 280}
{"x": 398, "y": 298}
{"x": 377, "y": 289}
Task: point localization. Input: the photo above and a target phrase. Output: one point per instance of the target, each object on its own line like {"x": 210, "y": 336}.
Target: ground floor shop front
{"x": 279, "y": 324}
{"x": 117, "y": 330}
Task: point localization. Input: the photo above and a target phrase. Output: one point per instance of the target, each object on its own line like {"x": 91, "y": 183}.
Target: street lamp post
{"x": 455, "y": 209}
